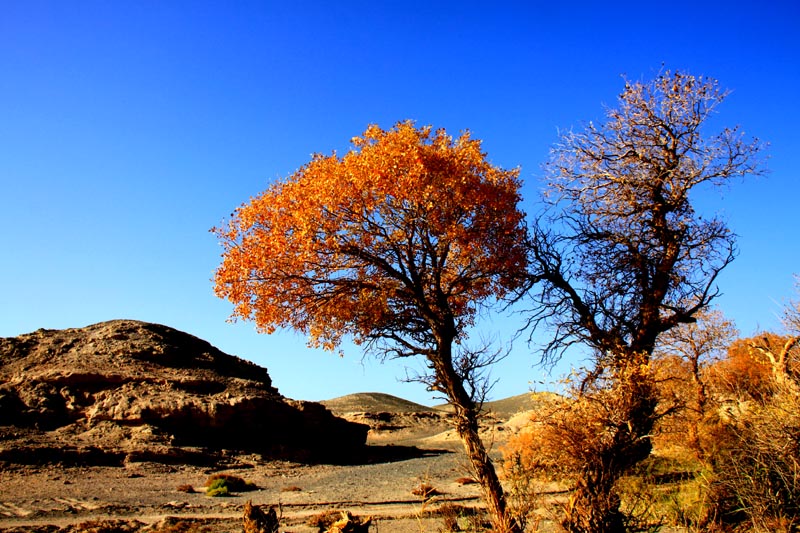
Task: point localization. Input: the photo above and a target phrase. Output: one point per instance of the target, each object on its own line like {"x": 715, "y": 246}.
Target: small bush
{"x": 424, "y": 490}
{"x": 256, "y": 520}
{"x": 345, "y": 522}
{"x": 172, "y": 524}
{"x": 109, "y": 526}
{"x": 324, "y": 520}
{"x": 217, "y": 488}
{"x": 459, "y": 518}
{"x": 224, "y": 484}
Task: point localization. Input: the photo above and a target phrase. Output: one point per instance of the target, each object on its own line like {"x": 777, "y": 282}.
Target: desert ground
{"x": 408, "y": 447}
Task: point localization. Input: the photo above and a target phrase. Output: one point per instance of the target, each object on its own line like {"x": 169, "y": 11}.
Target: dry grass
{"x": 460, "y": 518}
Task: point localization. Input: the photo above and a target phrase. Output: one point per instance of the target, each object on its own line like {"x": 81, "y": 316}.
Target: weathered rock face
{"x": 129, "y": 388}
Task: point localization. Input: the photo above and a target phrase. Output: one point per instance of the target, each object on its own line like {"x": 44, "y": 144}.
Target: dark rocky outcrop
{"x": 137, "y": 390}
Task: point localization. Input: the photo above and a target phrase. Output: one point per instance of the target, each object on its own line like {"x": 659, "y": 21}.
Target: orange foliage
{"x": 409, "y": 224}
{"x": 588, "y": 441}
{"x": 745, "y": 370}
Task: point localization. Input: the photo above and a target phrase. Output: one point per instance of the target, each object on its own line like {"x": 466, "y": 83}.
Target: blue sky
{"x": 128, "y": 129}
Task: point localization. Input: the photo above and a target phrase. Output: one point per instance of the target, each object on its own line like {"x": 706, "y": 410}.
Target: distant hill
{"x": 373, "y": 402}
{"x": 508, "y": 407}
{"x": 378, "y": 402}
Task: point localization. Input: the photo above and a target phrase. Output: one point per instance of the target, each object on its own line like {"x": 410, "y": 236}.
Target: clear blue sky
{"x": 128, "y": 129}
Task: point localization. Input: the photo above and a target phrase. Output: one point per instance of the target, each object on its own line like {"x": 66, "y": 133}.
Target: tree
{"x": 754, "y": 479}
{"x": 619, "y": 256}
{"x": 782, "y": 351}
{"x": 683, "y": 357}
{"x": 397, "y": 244}
{"x": 746, "y": 372}
{"x": 754, "y": 366}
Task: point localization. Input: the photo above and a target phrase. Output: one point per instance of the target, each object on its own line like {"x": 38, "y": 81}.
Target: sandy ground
{"x": 32, "y": 497}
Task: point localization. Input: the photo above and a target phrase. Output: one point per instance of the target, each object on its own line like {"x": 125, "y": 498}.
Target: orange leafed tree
{"x": 396, "y": 245}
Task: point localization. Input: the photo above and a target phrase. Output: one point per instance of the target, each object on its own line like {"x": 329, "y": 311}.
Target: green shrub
{"x": 218, "y": 487}
{"x": 233, "y": 483}
{"x": 225, "y": 484}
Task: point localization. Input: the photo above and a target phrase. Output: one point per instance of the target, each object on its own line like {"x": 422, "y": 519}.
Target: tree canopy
{"x": 397, "y": 243}
{"x": 624, "y": 256}
{"x": 408, "y": 226}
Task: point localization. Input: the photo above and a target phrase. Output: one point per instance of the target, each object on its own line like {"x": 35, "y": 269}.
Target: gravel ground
{"x": 35, "y": 496}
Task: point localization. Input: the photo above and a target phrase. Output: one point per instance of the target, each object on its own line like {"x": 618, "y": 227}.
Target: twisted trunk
{"x": 594, "y": 506}
{"x": 466, "y": 414}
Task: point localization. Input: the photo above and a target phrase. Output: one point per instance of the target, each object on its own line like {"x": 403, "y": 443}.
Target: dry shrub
{"x": 425, "y": 490}
{"x": 740, "y": 418}
{"x": 339, "y": 522}
{"x": 108, "y": 526}
{"x": 755, "y": 465}
{"x": 744, "y": 373}
{"x": 523, "y": 500}
{"x": 188, "y": 489}
{"x": 255, "y": 520}
{"x": 589, "y": 442}
{"x": 460, "y": 518}
{"x": 757, "y": 468}
{"x": 322, "y": 521}
{"x": 172, "y": 524}
{"x": 530, "y": 453}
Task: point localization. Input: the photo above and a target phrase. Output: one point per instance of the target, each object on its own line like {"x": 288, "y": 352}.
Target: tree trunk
{"x": 594, "y": 506}
{"x": 466, "y": 424}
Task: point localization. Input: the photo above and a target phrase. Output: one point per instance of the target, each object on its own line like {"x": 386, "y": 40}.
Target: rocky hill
{"x": 373, "y": 402}
{"x": 127, "y": 390}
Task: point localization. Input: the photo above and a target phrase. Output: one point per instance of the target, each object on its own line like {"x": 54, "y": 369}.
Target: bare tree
{"x": 692, "y": 348}
{"x": 754, "y": 474}
{"x": 783, "y": 352}
{"x": 619, "y": 256}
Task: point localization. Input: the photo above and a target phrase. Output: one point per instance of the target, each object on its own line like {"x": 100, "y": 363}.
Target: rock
{"x": 129, "y": 390}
